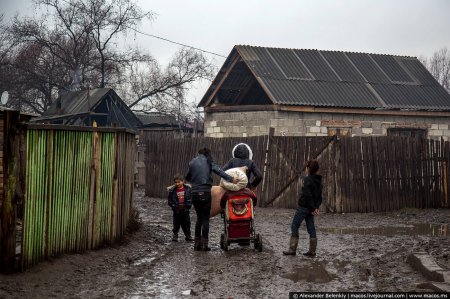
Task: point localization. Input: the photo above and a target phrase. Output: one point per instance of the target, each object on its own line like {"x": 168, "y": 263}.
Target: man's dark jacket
{"x": 311, "y": 196}
{"x": 199, "y": 173}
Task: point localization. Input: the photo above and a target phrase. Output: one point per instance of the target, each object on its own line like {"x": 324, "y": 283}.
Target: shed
{"x": 303, "y": 92}
{"x": 101, "y": 105}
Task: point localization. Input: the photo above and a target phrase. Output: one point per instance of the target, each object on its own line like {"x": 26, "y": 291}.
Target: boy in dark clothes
{"x": 308, "y": 207}
{"x": 180, "y": 201}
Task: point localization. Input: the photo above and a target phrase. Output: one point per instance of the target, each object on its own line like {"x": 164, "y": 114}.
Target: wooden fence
{"x": 9, "y": 155}
{"x": 360, "y": 174}
{"x": 78, "y": 190}
{"x": 168, "y": 156}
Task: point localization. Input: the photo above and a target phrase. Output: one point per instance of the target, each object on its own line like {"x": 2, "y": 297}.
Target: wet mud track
{"x": 356, "y": 252}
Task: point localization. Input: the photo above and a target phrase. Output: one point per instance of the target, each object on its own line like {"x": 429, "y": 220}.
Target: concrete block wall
{"x": 291, "y": 123}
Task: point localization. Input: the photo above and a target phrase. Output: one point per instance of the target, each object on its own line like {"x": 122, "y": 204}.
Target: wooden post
{"x": 337, "y": 181}
{"x": 93, "y": 189}
{"x": 445, "y": 184}
{"x": 8, "y": 200}
{"x": 115, "y": 191}
{"x": 266, "y": 164}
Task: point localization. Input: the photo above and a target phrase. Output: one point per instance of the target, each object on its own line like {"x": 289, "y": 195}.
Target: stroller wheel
{"x": 258, "y": 242}
{"x": 221, "y": 241}
{"x": 225, "y": 243}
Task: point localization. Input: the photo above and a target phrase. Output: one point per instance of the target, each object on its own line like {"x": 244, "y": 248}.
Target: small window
{"x": 407, "y": 132}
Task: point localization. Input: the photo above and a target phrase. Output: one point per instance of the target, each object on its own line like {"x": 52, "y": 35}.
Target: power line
{"x": 177, "y": 43}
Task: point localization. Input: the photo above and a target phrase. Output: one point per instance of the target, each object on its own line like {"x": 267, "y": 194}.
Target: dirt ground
{"x": 356, "y": 252}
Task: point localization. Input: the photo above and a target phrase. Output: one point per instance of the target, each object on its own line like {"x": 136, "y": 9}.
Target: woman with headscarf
{"x": 242, "y": 156}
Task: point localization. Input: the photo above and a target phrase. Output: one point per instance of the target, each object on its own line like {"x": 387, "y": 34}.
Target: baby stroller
{"x": 238, "y": 219}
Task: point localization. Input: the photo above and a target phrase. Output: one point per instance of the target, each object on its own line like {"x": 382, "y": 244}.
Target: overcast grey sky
{"x": 400, "y": 27}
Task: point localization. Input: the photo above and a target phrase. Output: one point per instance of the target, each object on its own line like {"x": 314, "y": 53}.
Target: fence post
{"x": 93, "y": 186}
{"x": 8, "y": 200}
{"x": 337, "y": 176}
{"x": 264, "y": 196}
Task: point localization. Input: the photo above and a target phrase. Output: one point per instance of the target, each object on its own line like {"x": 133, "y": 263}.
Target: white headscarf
{"x": 250, "y": 153}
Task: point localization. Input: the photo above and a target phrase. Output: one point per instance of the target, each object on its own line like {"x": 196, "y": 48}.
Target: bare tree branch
{"x": 439, "y": 67}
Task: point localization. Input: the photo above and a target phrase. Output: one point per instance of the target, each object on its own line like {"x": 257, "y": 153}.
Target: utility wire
{"x": 173, "y": 42}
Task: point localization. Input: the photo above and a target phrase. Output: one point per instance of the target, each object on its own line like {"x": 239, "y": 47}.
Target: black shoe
{"x": 205, "y": 245}
{"x": 197, "y": 244}
{"x": 309, "y": 254}
{"x": 189, "y": 239}
{"x": 175, "y": 238}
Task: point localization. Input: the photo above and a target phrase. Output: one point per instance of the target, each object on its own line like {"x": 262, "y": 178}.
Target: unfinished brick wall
{"x": 291, "y": 123}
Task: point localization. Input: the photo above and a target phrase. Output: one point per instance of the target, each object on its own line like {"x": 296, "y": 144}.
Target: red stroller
{"x": 238, "y": 219}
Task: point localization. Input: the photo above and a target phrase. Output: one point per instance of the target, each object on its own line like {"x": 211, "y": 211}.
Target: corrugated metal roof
{"x": 156, "y": 118}
{"x": 392, "y": 68}
{"x": 343, "y": 66}
{"x": 98, "y": 100}
{"x": 77, "y": 101}
{"x": 368, "y": 68}
{"x": 292, "y": 67}
{"x": 319, "y": 93}
{"x": 331, "y": 78}
{"x": 317, "y": 65}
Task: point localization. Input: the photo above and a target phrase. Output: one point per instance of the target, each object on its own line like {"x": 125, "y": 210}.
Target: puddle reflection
{"x": 440, "y": 230}
{"x": 314, "y": 272}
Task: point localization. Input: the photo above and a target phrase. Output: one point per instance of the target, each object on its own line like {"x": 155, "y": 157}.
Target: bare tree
{"x": 153, "y": 89}
{"x": 71, "y": 37}
{"x": 106, "y": 20}
{"x": 439, "y": 67}
{"x": 73, "y": 45}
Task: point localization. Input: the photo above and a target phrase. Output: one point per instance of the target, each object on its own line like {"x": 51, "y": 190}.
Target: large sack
{"x": 239, "y": 173}
{"x": 216, "y": 195}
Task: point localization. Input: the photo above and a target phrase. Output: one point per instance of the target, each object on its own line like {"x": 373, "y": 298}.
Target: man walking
{"x": 199, "y": 175}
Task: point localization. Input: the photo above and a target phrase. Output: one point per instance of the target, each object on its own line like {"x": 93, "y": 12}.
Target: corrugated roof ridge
{"x": 333, "y": 51}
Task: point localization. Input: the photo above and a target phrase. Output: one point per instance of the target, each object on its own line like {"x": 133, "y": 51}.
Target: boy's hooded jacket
{"x": 242, "y": 156}
{"x": 311, "y": 196}
{"x": 172, "y": 199}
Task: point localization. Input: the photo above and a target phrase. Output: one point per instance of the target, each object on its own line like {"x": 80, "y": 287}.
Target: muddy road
{"x": 356, "y": 252}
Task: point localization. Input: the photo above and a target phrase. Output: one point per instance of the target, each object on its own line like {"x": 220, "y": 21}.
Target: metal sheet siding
{"x": 413, "y": 96}
{"x": 317, "y": 65}
{"x": 418, "y": 71}
{"x": 285, "y": 74}
{"x": 317, "y": 93}
{"x": 368, "y": 68}
{"x": 391, "y": 67}
{"x": 259, "y": 60}
{"x": 342, "y": 66}
{"x": 290, "y": 64}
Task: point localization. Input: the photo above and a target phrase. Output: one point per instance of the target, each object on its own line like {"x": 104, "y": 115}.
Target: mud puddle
{"x": 314, "y": 272}
{"x": 437, "y": 230}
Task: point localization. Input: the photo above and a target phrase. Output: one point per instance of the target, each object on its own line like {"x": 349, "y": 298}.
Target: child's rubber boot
{"x": 312, "y": 248}
{"x": 293, "y": 243}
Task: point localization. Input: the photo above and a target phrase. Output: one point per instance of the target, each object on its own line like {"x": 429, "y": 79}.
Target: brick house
{"x": 319, "y": 93}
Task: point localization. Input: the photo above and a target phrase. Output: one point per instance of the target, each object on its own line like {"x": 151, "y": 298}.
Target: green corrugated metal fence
{"x": 79, "y": 189}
